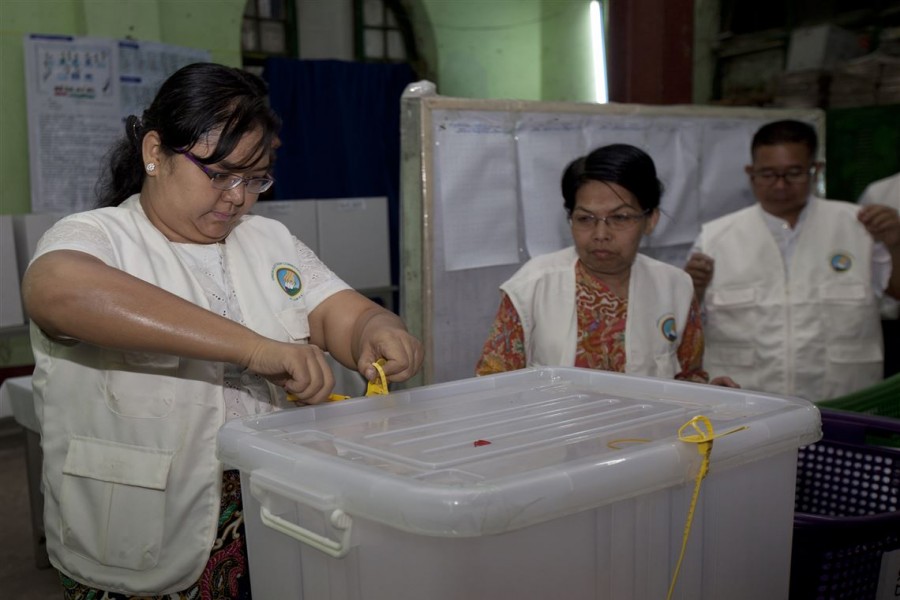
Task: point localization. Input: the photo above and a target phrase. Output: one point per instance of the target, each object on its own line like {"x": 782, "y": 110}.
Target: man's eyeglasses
{"x": 585, "y": 221}
{"x": 791, "y": 176}
{"x": 229, "y": 181}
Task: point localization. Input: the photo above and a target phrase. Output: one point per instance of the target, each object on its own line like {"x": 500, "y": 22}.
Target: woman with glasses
{"x": 600, "y": 304}
{"x": 791, "y": 285}
{"x": 159, "y": 316}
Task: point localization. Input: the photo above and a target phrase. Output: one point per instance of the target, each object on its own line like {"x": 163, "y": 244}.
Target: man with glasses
{"x": 791, "y": 285}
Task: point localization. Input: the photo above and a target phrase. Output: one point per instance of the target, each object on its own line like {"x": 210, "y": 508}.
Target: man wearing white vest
{"x": 791, "y": 285}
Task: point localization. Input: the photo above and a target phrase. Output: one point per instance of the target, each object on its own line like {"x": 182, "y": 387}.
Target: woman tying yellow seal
{"x": 162, "y": 314}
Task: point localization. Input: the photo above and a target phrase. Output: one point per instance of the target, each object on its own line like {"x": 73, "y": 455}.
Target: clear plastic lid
{"x": 492, "y": 454}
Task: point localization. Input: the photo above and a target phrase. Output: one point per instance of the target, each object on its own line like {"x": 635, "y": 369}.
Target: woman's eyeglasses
{"x": 229, "y": 181}
{"x": 585, "y": 221}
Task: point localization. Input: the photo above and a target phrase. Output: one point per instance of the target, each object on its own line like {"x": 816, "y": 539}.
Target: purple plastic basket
{"x": 847, "y": 507}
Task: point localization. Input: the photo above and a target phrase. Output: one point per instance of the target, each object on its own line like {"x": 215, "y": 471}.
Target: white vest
{"x": 816, "y": 335}
{"x": 131, "y": 480}
{"x": 659, "y": 301}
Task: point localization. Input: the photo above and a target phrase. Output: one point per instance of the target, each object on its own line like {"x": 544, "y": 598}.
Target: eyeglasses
{"x": 584, "y": 221}
{"x": 791, "y": 176}
{"x": 229, "y": 181}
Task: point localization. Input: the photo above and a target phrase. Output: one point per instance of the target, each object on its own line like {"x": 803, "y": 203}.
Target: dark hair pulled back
{"x": 196, "y": 100}
{"x": 622, "y": 164}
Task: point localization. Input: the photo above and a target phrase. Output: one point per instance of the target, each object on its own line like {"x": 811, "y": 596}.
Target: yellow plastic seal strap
{"x": 379, "y": 387}
{"x": 703, "y": 437}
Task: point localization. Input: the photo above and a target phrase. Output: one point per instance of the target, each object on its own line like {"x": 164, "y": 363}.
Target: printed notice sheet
{"x": 79, "y": 91}
{"x": 476, "y": 191}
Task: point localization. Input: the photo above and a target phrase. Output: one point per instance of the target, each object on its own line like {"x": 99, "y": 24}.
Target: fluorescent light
{"x": 598, "y": 52}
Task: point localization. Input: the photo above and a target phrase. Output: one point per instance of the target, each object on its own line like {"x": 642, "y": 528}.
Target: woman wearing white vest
{"x": 161, "y": 315}
{"x": 600, "y": 304}
{"x": 791, "y": 285}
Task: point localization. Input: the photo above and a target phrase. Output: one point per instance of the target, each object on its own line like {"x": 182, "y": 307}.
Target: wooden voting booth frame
{"x": 519, "y": 151}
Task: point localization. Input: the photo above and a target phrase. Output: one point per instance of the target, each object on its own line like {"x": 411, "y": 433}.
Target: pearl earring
{"x": 150, "y": 167}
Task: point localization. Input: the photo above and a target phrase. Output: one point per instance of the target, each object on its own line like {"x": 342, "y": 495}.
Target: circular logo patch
{"x": 841, "y": 262}
{"x": 288, "y": 278}
{"x": 667, "y": 328}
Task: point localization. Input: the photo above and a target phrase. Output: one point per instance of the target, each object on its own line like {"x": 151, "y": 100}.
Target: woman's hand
{"x": 724, "y": 382}
{"x": 382, "y": 337}
{"x": 357, "y": 332}
{"x": 301, "y": 369}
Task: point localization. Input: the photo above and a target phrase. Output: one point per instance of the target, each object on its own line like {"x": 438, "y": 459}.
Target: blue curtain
{"x": 341, "y": 131}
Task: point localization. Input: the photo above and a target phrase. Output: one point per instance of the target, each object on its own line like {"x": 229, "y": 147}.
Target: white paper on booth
{"x": 546, "y": 144}
{"x": 724, "y": 188}
{"x": 476, "y": 190}
{"x": 676, "y": 153}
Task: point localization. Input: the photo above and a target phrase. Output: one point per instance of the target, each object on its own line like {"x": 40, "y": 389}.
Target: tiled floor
{"x": 20, "y": 579}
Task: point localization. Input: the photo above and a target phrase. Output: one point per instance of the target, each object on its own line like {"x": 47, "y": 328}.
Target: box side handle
{"x": 268, "y": 489}
{"x": 335, "y": 549}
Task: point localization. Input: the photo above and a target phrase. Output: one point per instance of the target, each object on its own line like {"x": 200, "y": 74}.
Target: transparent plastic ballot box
{"x": 542, "y": 483}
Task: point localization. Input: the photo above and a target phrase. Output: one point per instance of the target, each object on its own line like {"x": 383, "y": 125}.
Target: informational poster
{"x": 79, "y": 91}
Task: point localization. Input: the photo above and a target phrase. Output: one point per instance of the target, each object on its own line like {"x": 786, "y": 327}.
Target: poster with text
{"x": 79, "y": 91}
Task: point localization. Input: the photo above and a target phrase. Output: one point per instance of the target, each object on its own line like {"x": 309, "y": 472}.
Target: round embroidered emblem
{"x": 667, "y": 328}
{"x": 841, "y": 262}
{"x": 288, "y": 278}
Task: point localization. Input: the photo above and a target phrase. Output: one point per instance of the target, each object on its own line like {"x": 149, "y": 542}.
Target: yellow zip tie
{"x": 379, "y": 387}
{"x": 704, "y": 440}
{"x": 374, "y": 388}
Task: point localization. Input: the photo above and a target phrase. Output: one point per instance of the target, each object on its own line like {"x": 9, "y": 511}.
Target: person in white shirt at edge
{"x": 600, "y": 304}
{"x": 887, "y": 192}
{"x": 162, "y": 314}
{"x": 791, "y": 285}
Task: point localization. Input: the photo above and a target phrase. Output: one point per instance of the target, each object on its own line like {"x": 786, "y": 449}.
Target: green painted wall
{"x": 566, "y": 61}
{"x": 513, "y": 49}
{"x": 487, "y": 48}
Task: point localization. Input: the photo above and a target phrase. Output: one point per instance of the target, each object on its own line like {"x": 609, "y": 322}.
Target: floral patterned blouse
{"x": 601, "y": 334}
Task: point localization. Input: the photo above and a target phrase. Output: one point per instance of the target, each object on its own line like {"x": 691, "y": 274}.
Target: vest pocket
{"x": 731, "y": 360}
{"x": 852, "y": 366}
{"x": 852, "y": 352}
{"x": 732, "y": 297}
{"x": 730, "y": 314}
{"x": 846, "y": 310}
{"x": 112, "y": 502}
{"x": 722, "y": 354}
{"x": 854, "y": 293}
